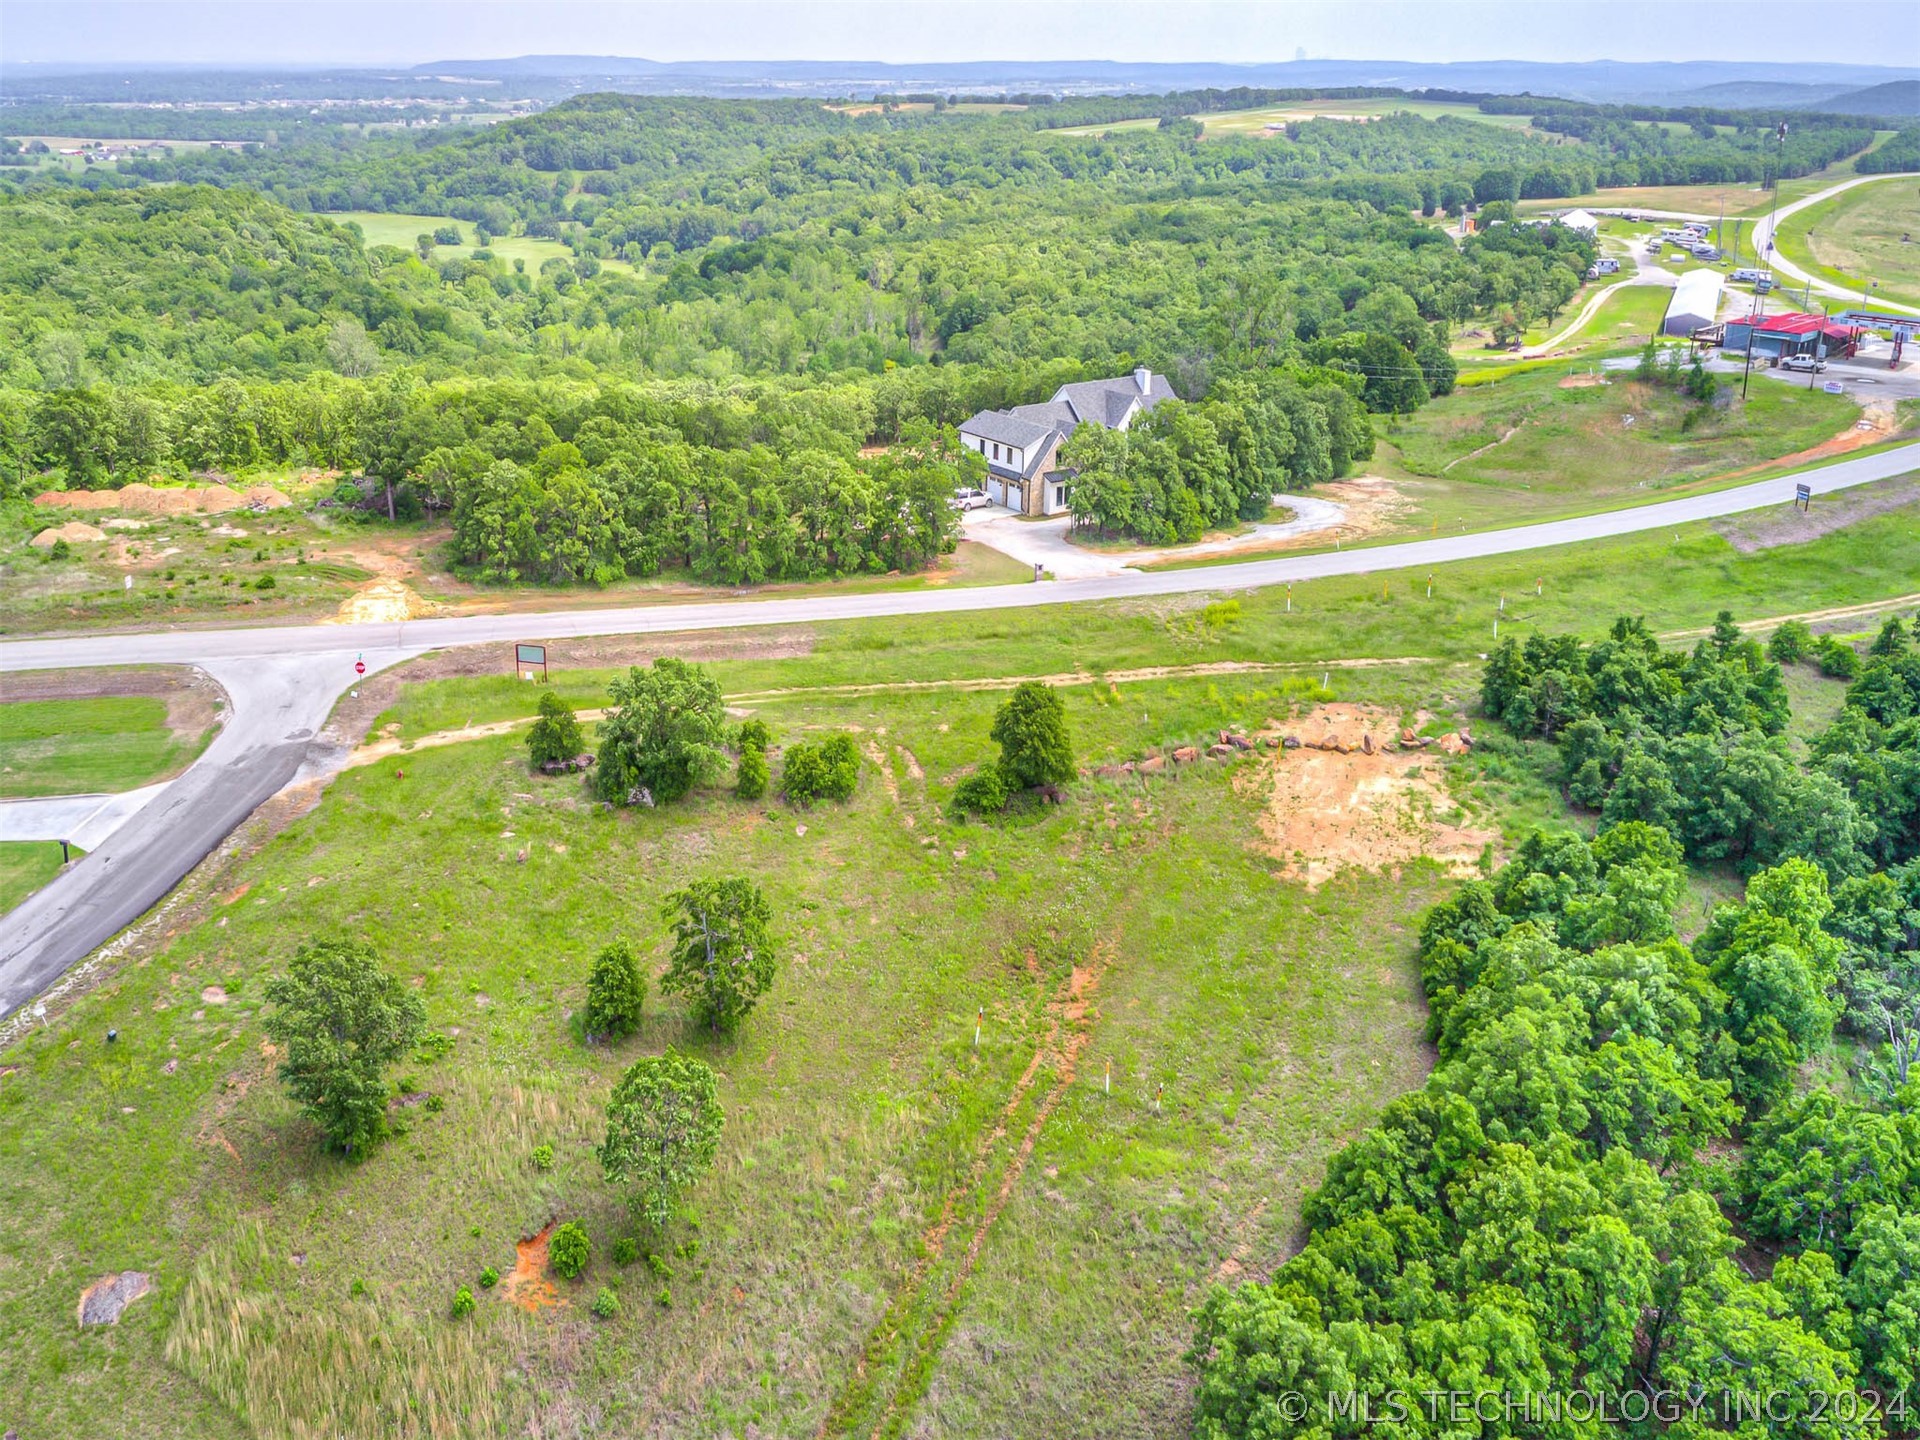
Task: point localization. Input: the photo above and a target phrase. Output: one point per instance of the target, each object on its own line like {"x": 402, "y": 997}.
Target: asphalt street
{"x": 282, "y": 682}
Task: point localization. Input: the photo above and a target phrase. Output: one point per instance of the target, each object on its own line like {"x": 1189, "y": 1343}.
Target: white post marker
{"x": 1109, "y": 1080}
{"x": 129, "y": 580}
{"x": 979, "y": 1020}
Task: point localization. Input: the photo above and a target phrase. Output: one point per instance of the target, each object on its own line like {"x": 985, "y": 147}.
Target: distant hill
{"x": 1760, "y": 94}
{"x": 1896, "y": 97}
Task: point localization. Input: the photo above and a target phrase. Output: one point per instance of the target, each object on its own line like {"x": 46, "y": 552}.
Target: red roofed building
{"x": 1793, "y": 334}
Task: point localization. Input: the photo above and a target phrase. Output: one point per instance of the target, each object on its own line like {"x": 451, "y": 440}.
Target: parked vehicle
{"x": 1803, "y": 364}
{"x": 1747, "y": 276}
{"x": 971, "y": 500}
{"x": 1605, "y": 265}
{"x": 1704, "y": 251}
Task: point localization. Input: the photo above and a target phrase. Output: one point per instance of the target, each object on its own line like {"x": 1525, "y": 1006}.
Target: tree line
{"x": 1547, "y": 1217}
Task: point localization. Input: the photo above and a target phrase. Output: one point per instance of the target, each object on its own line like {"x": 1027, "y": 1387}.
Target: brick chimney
{"x": 1143, "y": 377}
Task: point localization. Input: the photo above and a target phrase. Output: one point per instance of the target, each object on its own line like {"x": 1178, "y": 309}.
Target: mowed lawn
{"x": 24, "y": 868}
{"x": 1248, "y": 1027}
{"x": 93, "y": 746}
{"x": 1863, "y": 234}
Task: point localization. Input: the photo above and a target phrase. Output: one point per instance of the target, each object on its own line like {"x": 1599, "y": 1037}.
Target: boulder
{"x": 1186, "y": 755}
{"x": 1152, "y": 765}
{"x": 1218, "y": 751}
{"x": 1289, "y": 742}
{"x": 1366, "y": 744}
{"x": 1238, "y": 742}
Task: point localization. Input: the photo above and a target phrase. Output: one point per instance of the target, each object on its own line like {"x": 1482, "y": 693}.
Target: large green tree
{"x": 723, "y": 952}
{"x": 664, "y": 1123}
{"x": 663, "y": 735}
{"x": 340, "y": 1020}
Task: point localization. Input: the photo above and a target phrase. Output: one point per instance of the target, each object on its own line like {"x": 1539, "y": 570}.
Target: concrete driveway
{"x": 1045, "y": 542}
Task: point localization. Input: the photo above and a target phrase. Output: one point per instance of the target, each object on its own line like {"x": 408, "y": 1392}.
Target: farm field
{"x": 1255, "y": 121}
{"x": 1863, "y": 234}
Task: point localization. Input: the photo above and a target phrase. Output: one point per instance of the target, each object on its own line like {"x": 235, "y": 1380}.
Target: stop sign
{"x": 359, "y": 667}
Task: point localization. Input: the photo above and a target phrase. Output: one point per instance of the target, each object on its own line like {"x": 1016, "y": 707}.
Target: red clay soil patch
{"x": 1582, "y": 382}
{"x": 527, "y": 1285}
{"x": 1876, "y": 423}
{"x": 172, "y": 500}
{"x": 1325, "y": 811}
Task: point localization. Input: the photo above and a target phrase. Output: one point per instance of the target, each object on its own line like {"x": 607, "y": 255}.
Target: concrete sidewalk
{"x": 83, "y": 820}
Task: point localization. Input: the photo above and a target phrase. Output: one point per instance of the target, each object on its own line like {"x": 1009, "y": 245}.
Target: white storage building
{"x": 1580, "y": 220}
{"x": 1695, "y": 304}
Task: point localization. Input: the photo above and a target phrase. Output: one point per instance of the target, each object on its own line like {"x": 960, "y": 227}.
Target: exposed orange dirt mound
{"x": 1375, "y": 807}
{"x": 528, "y": 1285}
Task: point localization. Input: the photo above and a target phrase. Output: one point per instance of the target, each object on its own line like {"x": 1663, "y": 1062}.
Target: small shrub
{"x": 665, "y": 1298}
{"x": 489, "y": 1277}
{"x": 543, "y": 1157}
{"x": 658, "y": 1265}
{"x": 556, "y": 734}
{"x": 1792, "y": 642}
{"x": 356, "y": 1289}
{"x": 750, "y": 779}
{"x": 265, "y": 582}
{"x": 754, "y": 735}
{"x": 436, "y": 1103}
{"x": 802, "y": 774}
{"x": 569, "y": 1251}
{"x": 1837, "y": 659}
{"x": 841, "y": 759}
{"x": 59, "y": 550}
{"x": 432, "y": 1047}
{"x": 616, "y": 993}
{"x": 625, "y": 1251}
{"x": 462, "y": 1303}
{"x": 606, "y": 1304}
{"x": 982, "y": 794}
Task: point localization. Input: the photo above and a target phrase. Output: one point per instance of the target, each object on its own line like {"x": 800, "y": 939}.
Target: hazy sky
{"x": 392, "y": 32}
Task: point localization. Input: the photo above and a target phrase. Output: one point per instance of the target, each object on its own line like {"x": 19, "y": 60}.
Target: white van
{"x": 1747, "y": 276}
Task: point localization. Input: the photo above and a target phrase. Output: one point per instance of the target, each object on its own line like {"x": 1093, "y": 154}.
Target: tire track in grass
{"x": 897, "y": 1362}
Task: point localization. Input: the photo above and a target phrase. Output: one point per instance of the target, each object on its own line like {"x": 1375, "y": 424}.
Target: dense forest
{"x": 1555, "y": 1219}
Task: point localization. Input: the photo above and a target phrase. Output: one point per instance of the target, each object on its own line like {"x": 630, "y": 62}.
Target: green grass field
{"x": 24, "y": 868}
{"x": 1254, "y": 122}
{"x": 300, "y": 1294}
{"x": 94, "y": 746}
{"x": 1277, "y": 1020}
{"x": 1868, "y": 233}
{"x": 1527, "y": 446}
{"x": 380, "y": 228}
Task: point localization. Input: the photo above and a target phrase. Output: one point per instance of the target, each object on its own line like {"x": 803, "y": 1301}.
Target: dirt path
{"x": 897, "y": 1363}
{"x": 1476, "y": 454}
{"x": 1811, "y": 617}
{"x": 390, "y": 746}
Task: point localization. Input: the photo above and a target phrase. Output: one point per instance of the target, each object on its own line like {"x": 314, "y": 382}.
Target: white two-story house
{"x": 1022, "y": 445}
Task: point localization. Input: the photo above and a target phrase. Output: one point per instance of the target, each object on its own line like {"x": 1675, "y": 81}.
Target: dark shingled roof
{"x": 1006, "y": 428}
{"x": 1029, "y": 427}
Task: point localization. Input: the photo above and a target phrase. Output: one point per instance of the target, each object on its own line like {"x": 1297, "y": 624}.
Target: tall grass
{"x": 288, "y": 1368}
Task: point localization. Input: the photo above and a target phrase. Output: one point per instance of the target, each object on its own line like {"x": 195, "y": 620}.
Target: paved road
{"x": 283, "y": 680}
{"x": 1763, "y": 229}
